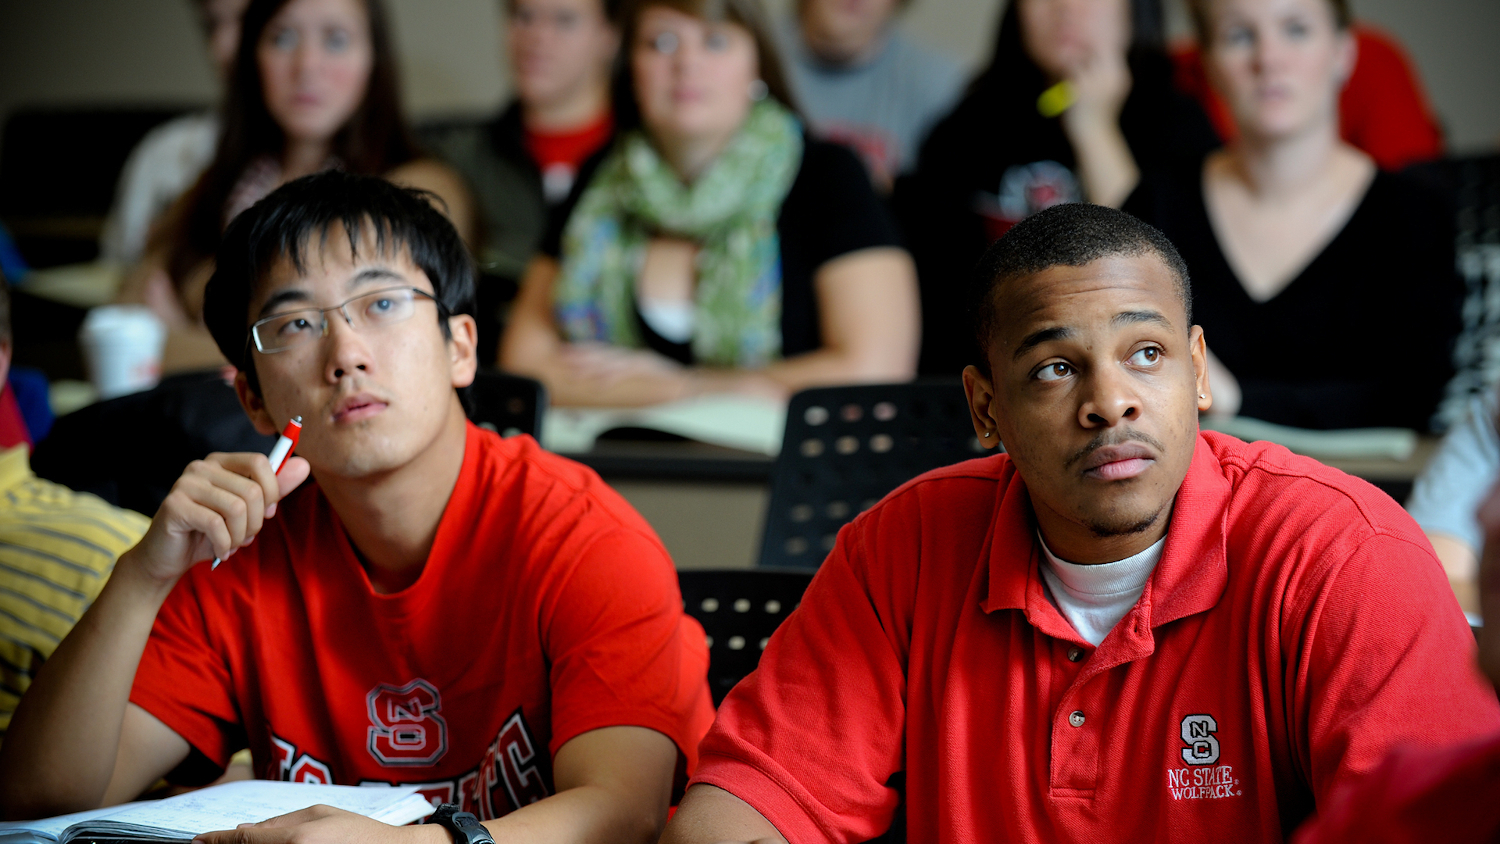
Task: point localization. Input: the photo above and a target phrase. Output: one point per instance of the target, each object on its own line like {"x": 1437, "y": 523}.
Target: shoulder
{"x": 1296, "y": 499}
{"x": 830, "y": 166}
{"x": 949, "y": 498}
{"x": 934, "y": 70}
{"x": 73, "y": 526}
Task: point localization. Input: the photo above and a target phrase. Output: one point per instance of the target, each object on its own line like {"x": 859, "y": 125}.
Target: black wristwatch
{"x": 465, "y": 828}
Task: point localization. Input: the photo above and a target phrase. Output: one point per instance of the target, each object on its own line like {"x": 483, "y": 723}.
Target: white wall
{"x": 147, "y": 51}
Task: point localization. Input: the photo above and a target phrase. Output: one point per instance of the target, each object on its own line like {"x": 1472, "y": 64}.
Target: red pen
{"x": 279, "y": 453}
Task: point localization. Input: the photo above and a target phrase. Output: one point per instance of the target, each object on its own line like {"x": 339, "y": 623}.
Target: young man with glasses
{"x": 437, "y": 606}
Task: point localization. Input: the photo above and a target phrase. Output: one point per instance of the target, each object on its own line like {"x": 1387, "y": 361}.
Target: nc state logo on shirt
{"x": 1203, "y": 779}
{"x": 405, "y": 727}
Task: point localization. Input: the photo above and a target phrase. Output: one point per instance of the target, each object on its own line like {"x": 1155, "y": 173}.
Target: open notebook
{"x": 219, "y": 807}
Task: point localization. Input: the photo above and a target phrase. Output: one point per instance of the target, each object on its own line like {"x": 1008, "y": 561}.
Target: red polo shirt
{"x": 1295, "y": 629}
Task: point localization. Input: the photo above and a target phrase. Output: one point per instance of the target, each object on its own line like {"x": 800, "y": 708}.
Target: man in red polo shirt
{"x": 434, "y": 606}
{"x": 1123, "y": 629}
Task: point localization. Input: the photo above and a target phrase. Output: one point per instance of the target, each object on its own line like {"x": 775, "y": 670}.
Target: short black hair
{"x": 281, "y": 225}
{"x": 1068, "y": 235}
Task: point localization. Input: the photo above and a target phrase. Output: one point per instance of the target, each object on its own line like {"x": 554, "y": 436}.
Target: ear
{"x": 982, "y": 409}
{"x": 1199, "y": 351}
{"x": 254, "y": 406}
{"x": 463, "y": 350}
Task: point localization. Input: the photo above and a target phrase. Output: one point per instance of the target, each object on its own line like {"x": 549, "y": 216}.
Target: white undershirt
{"x": 1094, "y": 598}
{"x": 673, "y": 319}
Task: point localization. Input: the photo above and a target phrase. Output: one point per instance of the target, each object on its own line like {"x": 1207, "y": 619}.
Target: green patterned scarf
{"x": 730, "y": 211}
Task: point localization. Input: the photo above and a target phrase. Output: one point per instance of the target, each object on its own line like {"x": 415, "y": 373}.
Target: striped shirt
{"x": 57, "y": 548}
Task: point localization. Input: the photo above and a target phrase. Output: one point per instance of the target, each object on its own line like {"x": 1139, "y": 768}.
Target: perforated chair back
{"x": 507, "y": 404}
{"x": 846, "y": 447}
{"x": 739, "y": 610}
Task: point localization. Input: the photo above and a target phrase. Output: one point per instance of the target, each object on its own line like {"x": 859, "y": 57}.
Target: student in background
{"x": 1122, "y": 629}
{"x": 718, "y": 248}
{"x": 860, "y": 81}
{"x": 1308, "y": 262}
{"x": 525, "y": 162}
{"x": 57, "y": 548}
{"x": 313, "y": 87}
{"x": 1447, "y": 495}
{"x": 434, "y": 606}
{"x": 171, "y": 157}
{"x": 1383, "y": 110}
{"x": 1007, "y": 151}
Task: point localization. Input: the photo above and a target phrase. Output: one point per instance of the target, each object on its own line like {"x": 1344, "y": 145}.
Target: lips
{"x": 1118, "y": 462}
{"x": 357, "y": 408}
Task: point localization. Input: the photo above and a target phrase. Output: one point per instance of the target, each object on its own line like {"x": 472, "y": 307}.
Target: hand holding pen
{"x": 217, "y": 507}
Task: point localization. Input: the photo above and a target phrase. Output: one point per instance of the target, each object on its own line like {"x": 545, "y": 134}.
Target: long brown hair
{"x": 373, "y": 141}
{"x": 745, "y": 13}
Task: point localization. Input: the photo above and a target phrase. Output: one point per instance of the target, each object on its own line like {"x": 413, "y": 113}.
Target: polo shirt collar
{"x": 1190, "y": 578}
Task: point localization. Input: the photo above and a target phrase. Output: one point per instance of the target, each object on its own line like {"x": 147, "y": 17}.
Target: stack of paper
{"x": 225, "y": 806}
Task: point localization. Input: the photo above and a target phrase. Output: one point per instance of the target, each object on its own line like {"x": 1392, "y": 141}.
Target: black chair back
{"x": 507, "y": 404}
{"x": 846, "y": 447}
{"x": 739, "y": 610}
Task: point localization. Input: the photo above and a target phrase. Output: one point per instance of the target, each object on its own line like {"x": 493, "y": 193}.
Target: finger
{"x": 247, "y": 835}
{"x": 293, "y": 472}
{"x": 255, "y": 467}
{"x": 211, "y": 474}
{"x": 233, "y": 510}
{"x": 301, "y": 816}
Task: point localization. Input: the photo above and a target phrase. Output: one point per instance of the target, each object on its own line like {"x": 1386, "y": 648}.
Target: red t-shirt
{"x": 547, "y": 608}
{"x": 1296, "y": 627}
{"x": 571, "y": 148}
{"x": 1382, "y": 109}
{"x": 1418, "y": 795}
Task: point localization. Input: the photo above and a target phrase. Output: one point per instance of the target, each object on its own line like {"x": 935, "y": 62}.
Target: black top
{"x": 830, "y": 210}
{"x": 994, "y": 161}
{"x": 1362, "y": 337}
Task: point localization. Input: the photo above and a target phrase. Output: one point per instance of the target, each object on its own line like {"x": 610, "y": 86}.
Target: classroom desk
{"x": 706, "y": 502}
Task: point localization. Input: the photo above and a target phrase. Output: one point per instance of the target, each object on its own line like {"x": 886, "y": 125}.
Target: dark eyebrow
{"x": 1036, "y": 338}
{"x": 282, "y": 297}
{"x": 293, "y": 295}
{"x": 1134, "y": 317}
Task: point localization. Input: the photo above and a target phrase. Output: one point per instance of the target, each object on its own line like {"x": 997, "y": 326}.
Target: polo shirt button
{"x": 1076, "y": 719}
{"x": 1075, "y": 653}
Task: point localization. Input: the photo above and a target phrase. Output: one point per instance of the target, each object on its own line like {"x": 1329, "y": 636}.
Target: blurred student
{"x": 1423, "y": 794}
{"x": 173, "y": 155}
{"x": 717, "y": 248}
{"x": 411, "y": 600}
{"x": 860, "y": 81}
{"x": 1383, "y": 110}
{"x": 1021, "y": 140}
{"x": 57, "y": 548}
{"x": 526, "y": 161}
{"x": 314, "y": 86}
{"x": 1307, "y": 261}
{"x": 1447, "y": 495}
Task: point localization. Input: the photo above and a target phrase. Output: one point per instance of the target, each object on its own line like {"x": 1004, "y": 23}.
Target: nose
{"x": 345, "y": 350}
{"x": 1110, "y": 398}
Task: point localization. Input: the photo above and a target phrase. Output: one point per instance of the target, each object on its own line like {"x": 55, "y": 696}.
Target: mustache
{"x": 1108, "y": 439}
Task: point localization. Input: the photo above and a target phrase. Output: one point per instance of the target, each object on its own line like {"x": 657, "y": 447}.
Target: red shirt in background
{"x": 1296, "y": 628}
{"x": 559, "y": 155}
{"x": 1382, "y": 109}
{"x": 547, "y": 608}
{"x": 1418, "y": 795}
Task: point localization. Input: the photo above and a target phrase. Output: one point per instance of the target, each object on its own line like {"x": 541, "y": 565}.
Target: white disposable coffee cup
{"x": 122, "y": 345}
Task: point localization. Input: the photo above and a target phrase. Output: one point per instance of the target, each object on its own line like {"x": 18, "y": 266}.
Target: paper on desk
{"x": 742, "y": 422}
{"x": 225, "y": 807}
{"x": 47, "y": 830}
{"x": 1345, "y": 444}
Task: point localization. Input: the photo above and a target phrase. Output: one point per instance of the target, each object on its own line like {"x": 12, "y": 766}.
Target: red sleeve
{"x": 1417, "y": 796}
{"x": 1383, "y": 110}
{"x": 623, "y": 652}
{"x": 1385, "y": 658}
{"x": 813, "y": 736}
{"x": 183, "y": 678}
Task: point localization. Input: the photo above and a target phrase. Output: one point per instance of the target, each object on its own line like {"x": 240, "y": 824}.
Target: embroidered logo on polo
{"x": 1203, "y": 778}
{"x": 513, "y": 772}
